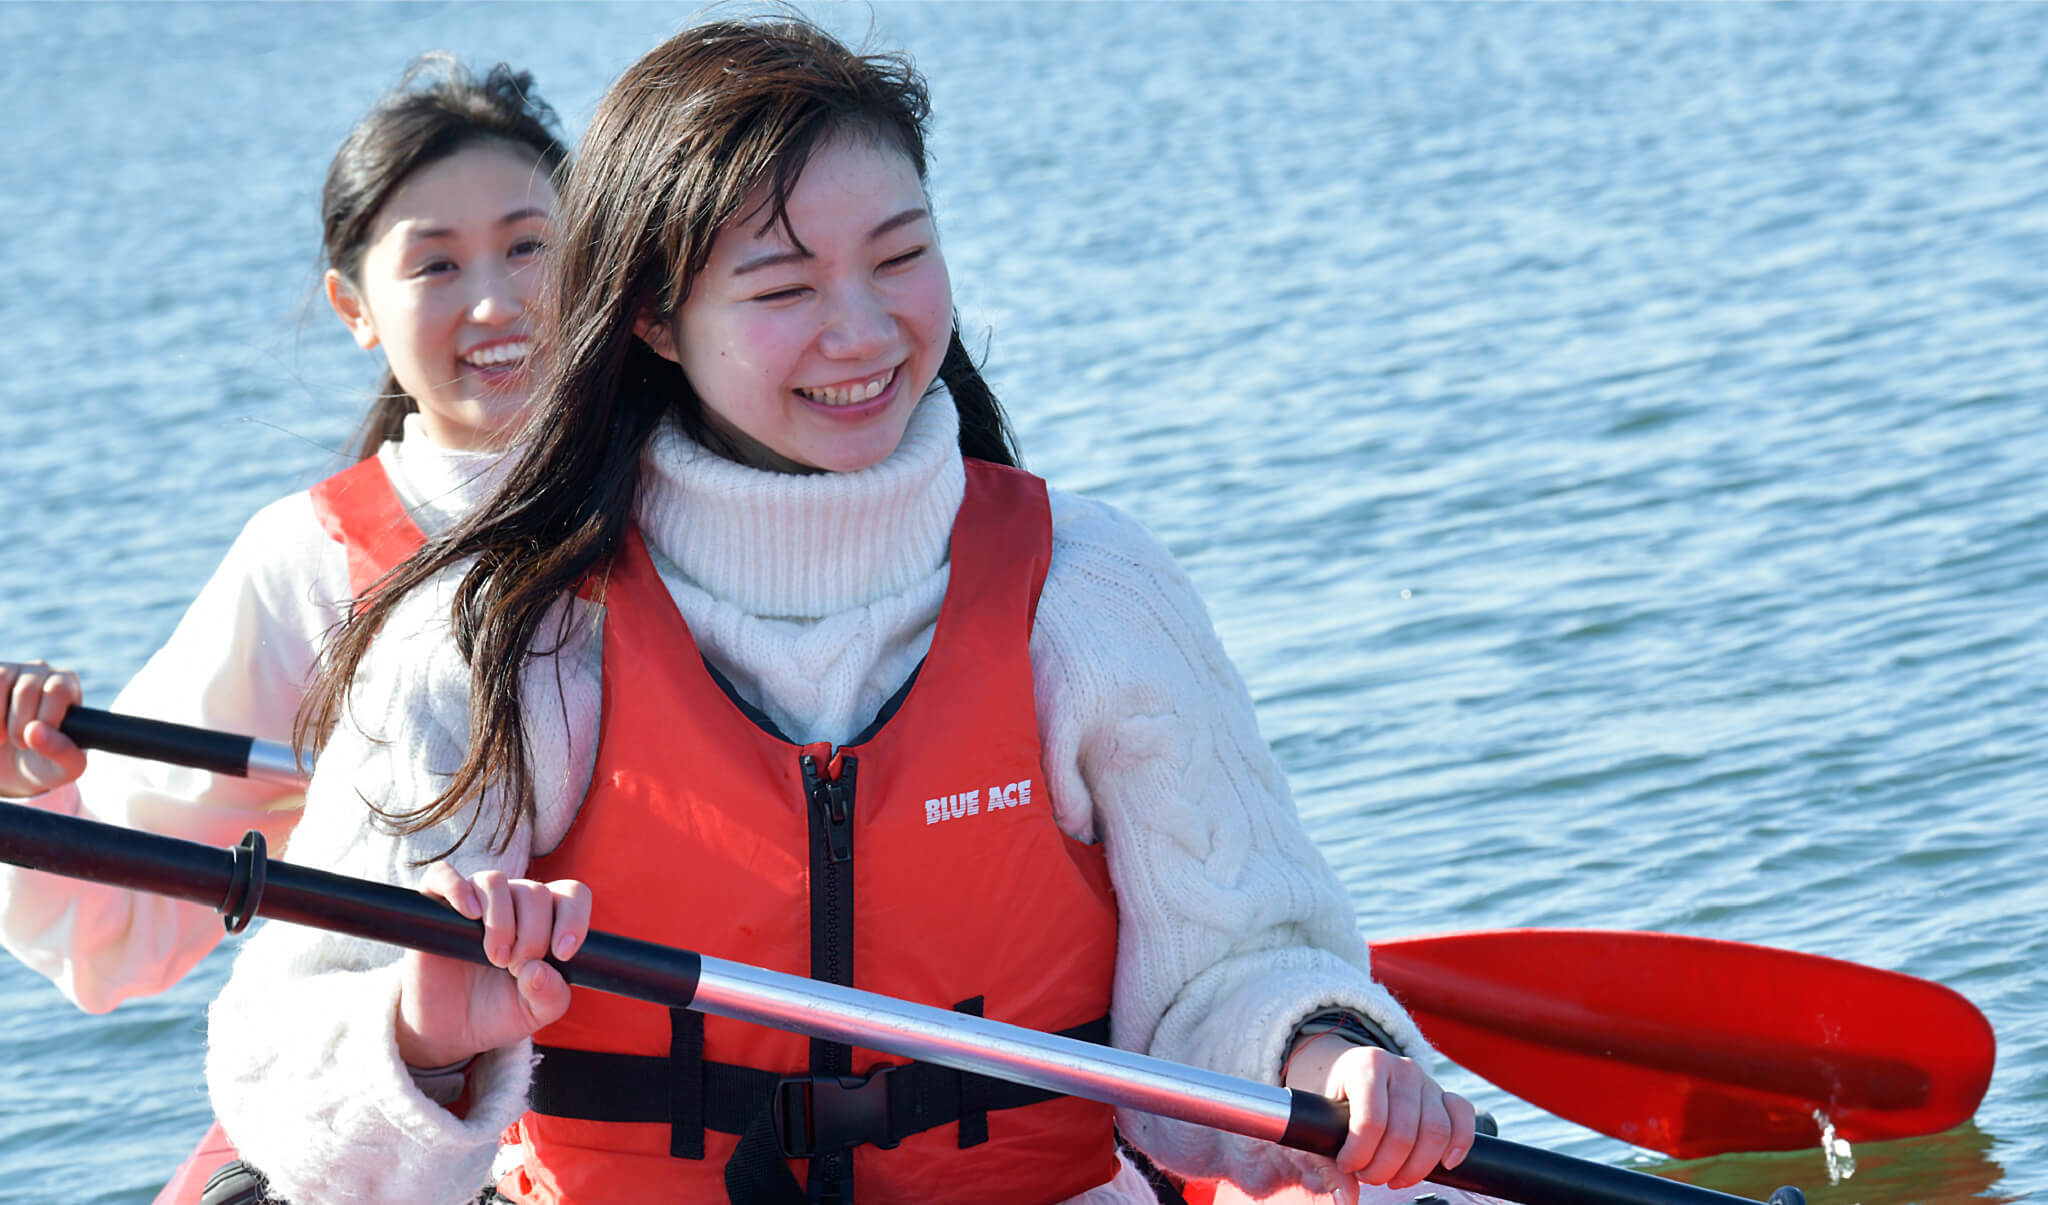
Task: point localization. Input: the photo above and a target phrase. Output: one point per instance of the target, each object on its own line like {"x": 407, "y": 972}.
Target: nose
{"x": 859, "y": 326}
{"x": 499, "y": 299}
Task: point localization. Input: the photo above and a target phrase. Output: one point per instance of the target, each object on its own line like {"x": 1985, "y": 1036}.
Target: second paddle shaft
{"x": 183, "y": 745}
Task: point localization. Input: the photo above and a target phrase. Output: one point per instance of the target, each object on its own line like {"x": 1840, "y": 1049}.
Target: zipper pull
{"x": 833, "y": 798}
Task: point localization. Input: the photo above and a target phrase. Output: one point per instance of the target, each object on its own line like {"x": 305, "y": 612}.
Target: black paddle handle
{"x": 242, "y": 881}
{"x": 157, "y": 740}
{"x": 1543, "y": 1177}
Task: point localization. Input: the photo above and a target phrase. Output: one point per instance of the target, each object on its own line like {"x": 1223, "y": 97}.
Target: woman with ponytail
{"x": 434, "y": 214}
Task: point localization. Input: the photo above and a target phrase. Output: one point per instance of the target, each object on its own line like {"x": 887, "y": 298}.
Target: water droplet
{"x": 1841, "y": 1160}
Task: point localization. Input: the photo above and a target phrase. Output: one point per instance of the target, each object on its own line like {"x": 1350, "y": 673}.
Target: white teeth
{"x": 497, "y": 354}
{"x": 850, "y": 395}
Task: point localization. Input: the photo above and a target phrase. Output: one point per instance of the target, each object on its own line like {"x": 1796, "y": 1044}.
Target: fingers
{"x": 1431, "y": 1138}
{"x": 1384, "y": 1114}
{"x": 572, "y": 917}
{"x": 523, "y": 920}
{"x": 34, "y": 755}
{"x": 9, "y": 672}
{"x": 555, "y": 918}
{"x": 446, "y": 884}
{"x": 61, "y": 692}
{"x": 542, "y": 992}
{"x": 499, "y": 913}
{"x": 36, "y": 692}
{"x": 1402, "y": 1124}
{"x": 1464, "y": 1124}
{"x": 524, "y": 923}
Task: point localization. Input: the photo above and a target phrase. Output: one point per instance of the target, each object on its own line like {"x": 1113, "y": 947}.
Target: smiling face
{"x": 444, "y": 286}
{"x": 811, "y": 354}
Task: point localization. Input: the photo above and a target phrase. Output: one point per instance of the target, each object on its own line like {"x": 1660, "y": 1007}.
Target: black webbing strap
{"x": 757, "y": 1173}
{"x": 776, "y": 1117}
{"x": 973, "y": 1098}
{"x": 686, "y": 1083}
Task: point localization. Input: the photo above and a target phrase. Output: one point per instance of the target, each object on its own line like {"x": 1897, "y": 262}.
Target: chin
{"x": 843, "y": 464}
{"x": 853, "y": 459}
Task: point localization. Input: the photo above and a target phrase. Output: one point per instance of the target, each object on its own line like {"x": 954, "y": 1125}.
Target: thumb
{"x": 543, "y": 993}
{"x": 48, "y": 741}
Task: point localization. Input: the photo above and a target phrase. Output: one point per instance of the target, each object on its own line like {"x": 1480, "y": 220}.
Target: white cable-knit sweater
{"x": 238, "y": 661}
{"x": 817, "y": 595}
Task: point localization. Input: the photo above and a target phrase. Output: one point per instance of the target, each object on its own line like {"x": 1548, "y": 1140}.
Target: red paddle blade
{"x": 1695, "y": 1047}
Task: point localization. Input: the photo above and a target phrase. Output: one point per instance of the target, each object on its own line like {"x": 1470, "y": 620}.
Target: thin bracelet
{"x": 1337, "y": 1020}
{"x": 1302, "y": 1037}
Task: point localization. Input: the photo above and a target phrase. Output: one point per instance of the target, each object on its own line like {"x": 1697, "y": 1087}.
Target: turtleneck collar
{"x": 439, "y": 484}
{"x": 804, "y": 546}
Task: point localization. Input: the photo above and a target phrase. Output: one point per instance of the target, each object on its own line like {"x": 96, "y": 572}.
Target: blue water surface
{"x": 1607, "y": 437}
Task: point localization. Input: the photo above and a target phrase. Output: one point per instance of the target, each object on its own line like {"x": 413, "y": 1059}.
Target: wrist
{"x": 1343, "y": 1024}
{"x": 1312, "y": 1057}
{"x": 416, "y": 1049}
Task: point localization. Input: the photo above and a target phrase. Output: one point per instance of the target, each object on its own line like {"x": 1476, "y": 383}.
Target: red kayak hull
{"x": 213, "y": 1152}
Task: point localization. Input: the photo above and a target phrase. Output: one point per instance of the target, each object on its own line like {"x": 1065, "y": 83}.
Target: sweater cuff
{"x": 396, "y": 1142}
{"x": 1252, "y": 1027}
{"x": 442, "y": 1085}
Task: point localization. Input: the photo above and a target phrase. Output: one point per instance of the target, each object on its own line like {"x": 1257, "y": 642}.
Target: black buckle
{"x": 819, "y": 1114}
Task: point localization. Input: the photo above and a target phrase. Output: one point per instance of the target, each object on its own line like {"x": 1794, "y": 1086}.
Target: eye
{"x": 789, "y": 294}
{"x": 529, "y": 246}
{"x": 908, "y": 257}
{"x": 435, "y": 267}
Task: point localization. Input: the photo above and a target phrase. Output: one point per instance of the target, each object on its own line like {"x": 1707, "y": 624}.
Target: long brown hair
{"x": 437, "y": 109}
{"x": 674, "y": 151}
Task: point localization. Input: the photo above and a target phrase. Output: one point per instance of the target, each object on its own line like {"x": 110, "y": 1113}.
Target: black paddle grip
{"x": 245, "y": 881}
{"x": 156, "y": 740}
{"x": 1541, "y": 1177}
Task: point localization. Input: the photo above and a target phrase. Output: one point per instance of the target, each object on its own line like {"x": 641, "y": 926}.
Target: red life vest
{"x": 359, "y": 508}
{"x": 921, "y": 861}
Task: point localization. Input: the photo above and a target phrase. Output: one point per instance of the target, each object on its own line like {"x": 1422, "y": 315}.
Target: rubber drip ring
{"x": 245, "y": 884}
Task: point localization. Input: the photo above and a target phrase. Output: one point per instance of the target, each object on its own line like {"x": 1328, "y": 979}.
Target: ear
{"x": 350, "y": 309}
{"x": 658, "y": 335}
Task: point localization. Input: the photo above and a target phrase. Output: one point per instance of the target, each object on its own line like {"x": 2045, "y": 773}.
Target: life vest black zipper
{"x": 828, "y": 780}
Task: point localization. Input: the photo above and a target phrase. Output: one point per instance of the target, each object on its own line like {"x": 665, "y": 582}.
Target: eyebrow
{"x": 424, "y": 234}
{"x": 774, "y": 258}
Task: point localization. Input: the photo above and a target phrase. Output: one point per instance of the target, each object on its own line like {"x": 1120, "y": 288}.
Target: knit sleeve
{"x": 1233, "y": 929}
{"x": 302, "y": 1057}
{"x": 238, "y": 661}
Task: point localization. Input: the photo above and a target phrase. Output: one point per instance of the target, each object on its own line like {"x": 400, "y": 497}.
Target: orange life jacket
{"x": 921, "y": 861}
{"x": 359, "y": 508}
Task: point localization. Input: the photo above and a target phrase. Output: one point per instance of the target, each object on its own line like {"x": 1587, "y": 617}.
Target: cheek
{"x": 730, "y": 355}
{"x": 526, "y": 283}
{"x": 415, "y": 321}
{"x": 933, "y": 305}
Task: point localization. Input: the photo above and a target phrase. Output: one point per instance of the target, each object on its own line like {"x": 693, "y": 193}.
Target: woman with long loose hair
{"x": 766, "y": 648}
